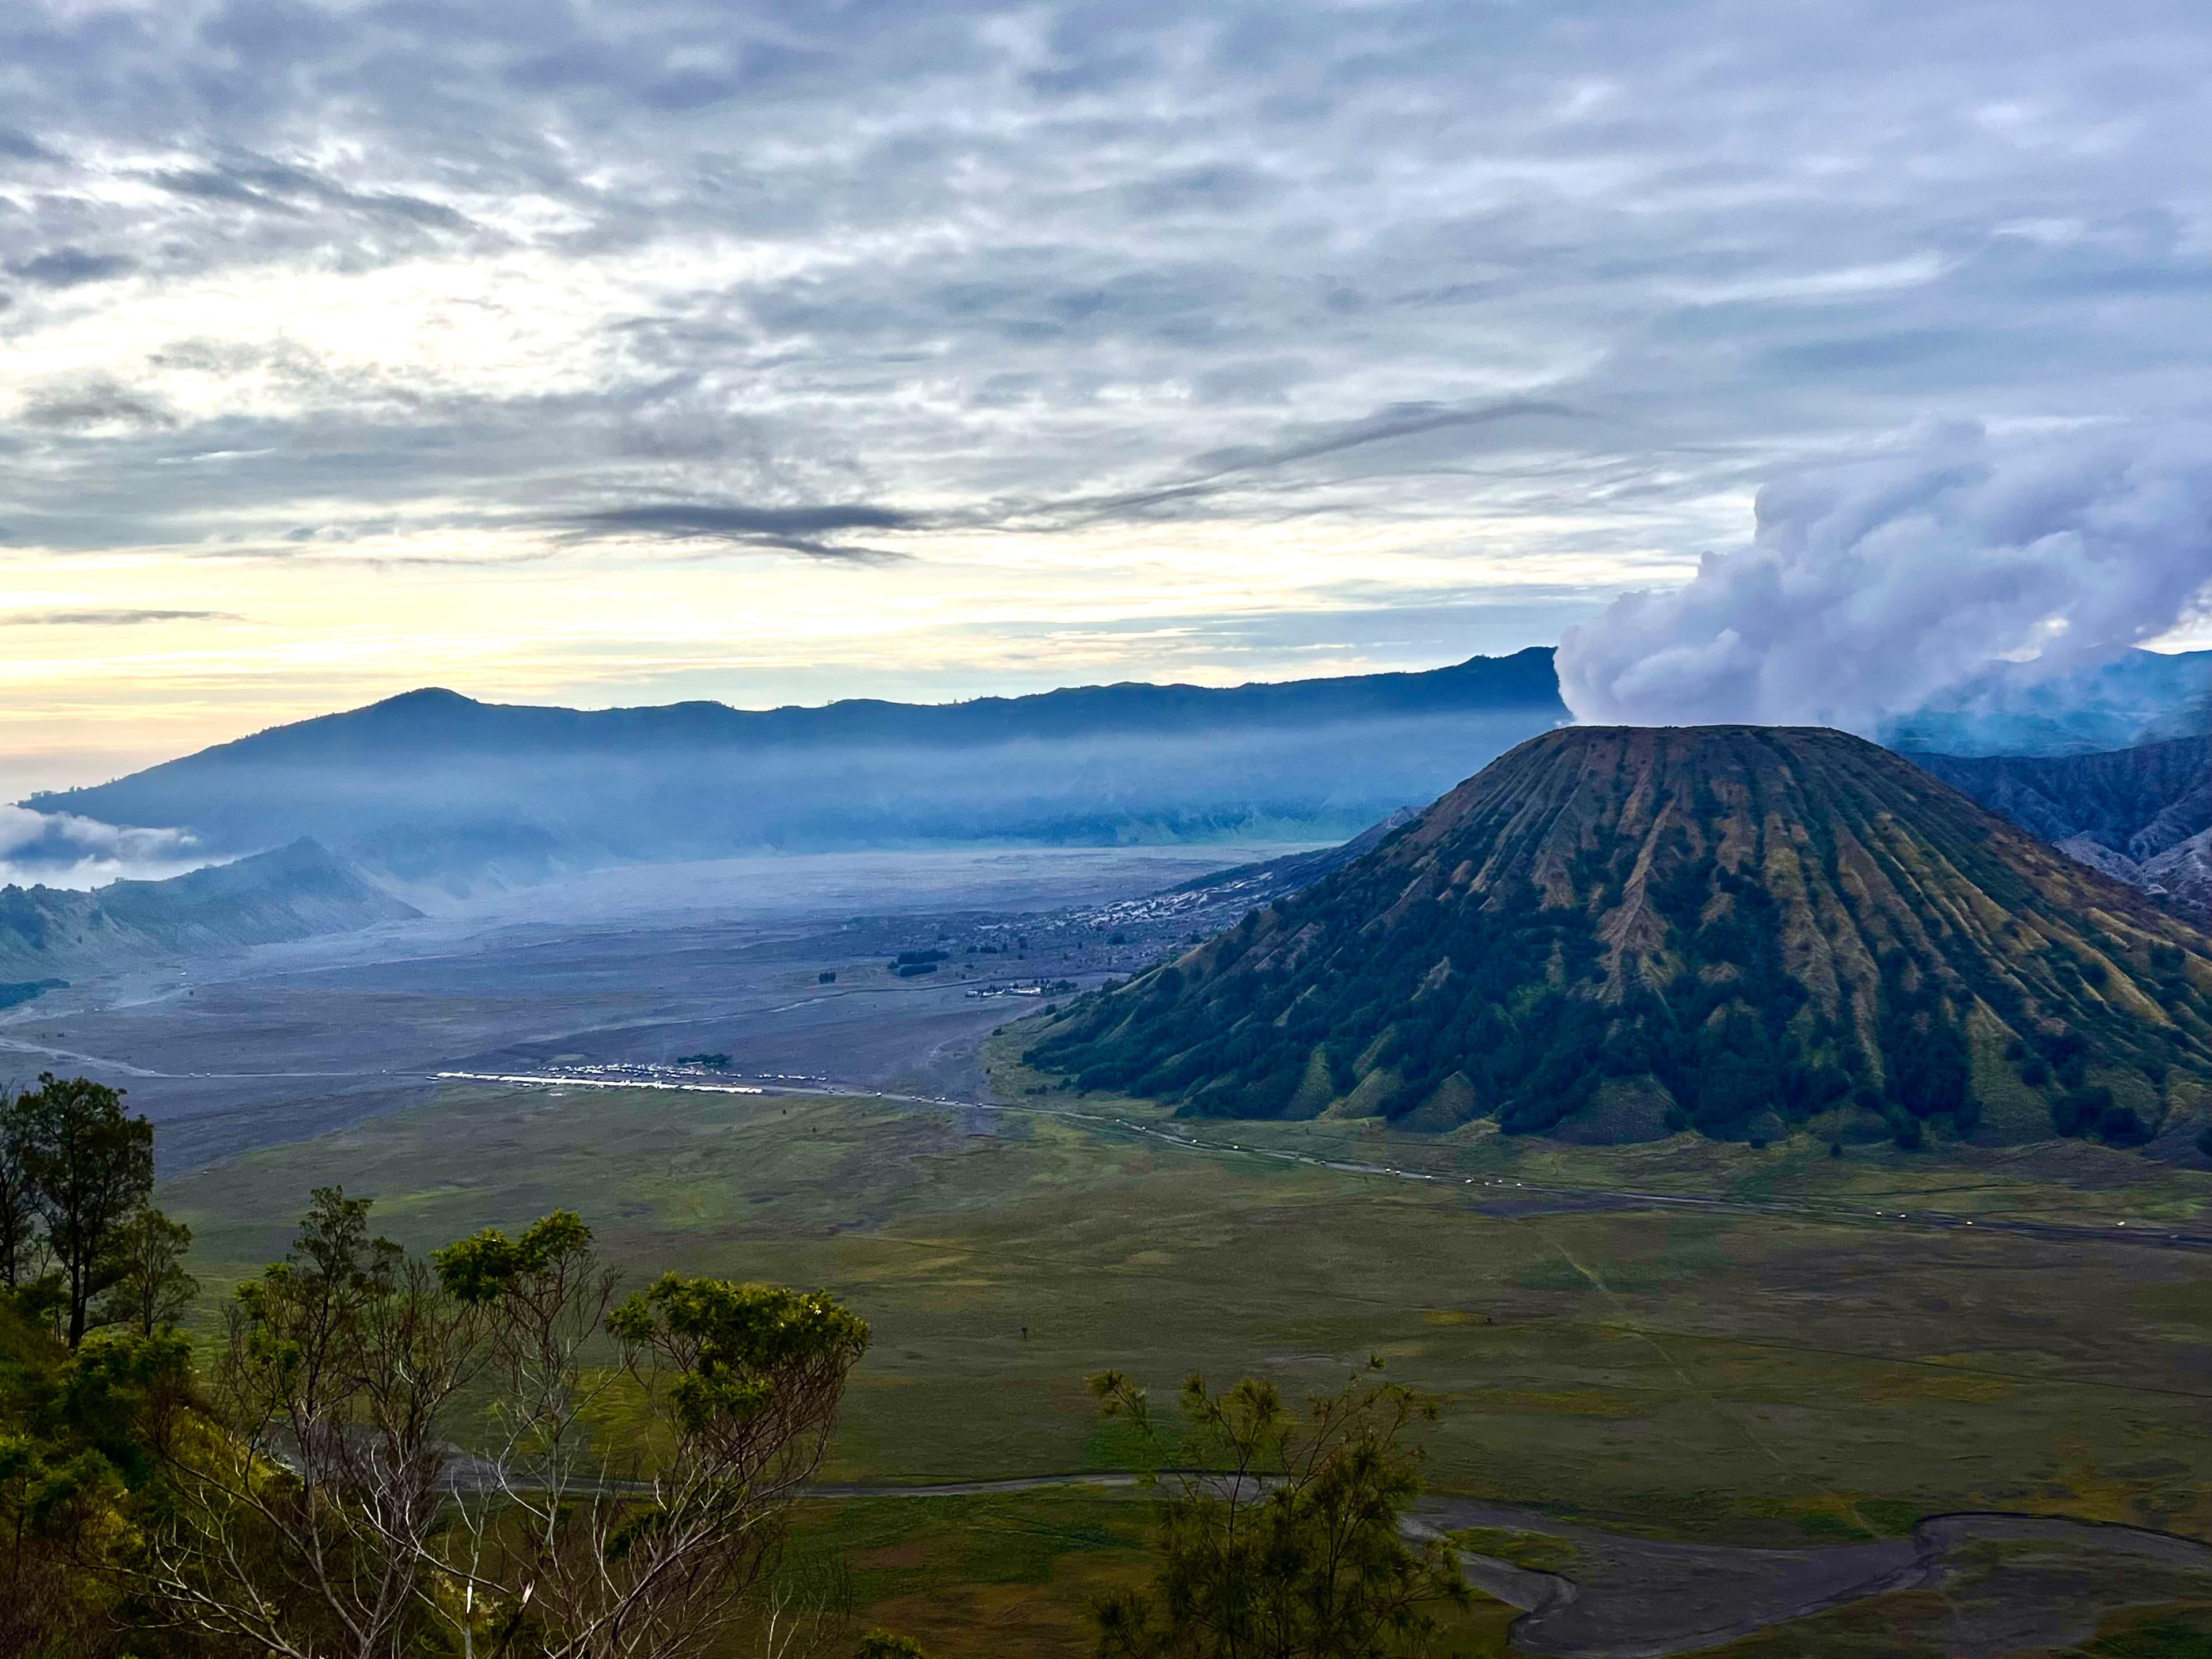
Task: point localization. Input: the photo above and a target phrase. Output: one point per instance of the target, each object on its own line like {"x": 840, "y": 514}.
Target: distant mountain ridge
{"x": 1614, "y": 933}
{"x": 2014, "y": 708}
{"x": 433, "y": 785}
{"x": 2142, "y": 815}
{"x": 2140, "y": 802}
{"x": 295, "y": 892}
{"x": 434, "y": 720}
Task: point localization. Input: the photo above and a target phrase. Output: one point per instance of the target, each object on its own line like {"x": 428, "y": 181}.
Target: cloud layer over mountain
{"x": 63, "y": 850}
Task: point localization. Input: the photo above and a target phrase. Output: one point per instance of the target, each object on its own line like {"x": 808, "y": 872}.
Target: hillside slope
{"x": 1613, "y": 933}
{"x": 300, "y": 891}
{"x": 1274, "y": 879}
{"x": 431, "y": 783}
{"x": 2138, "y": 802}
{"x": 2142, "y": 815}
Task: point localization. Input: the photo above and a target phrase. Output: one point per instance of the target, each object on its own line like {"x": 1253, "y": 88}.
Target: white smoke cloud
{"x": 1870, "y": 588}
{"x": 60, "y": 849}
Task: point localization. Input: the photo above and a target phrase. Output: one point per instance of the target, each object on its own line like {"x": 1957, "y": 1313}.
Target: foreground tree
{"x": 306, "y": 1511}
{"x": 1285, "y": 1541}
{"x": 326, "y": 1509}
{"x": 584, "y": 1548}
{"x": 21, "y": 1261}
{"x": 151, "y": 1288}
{"x": 88, "y": 1169}
{"x": 80, "y": 1440}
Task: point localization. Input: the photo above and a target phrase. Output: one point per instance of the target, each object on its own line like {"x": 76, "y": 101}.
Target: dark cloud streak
{"x": 115, "y": 618}
{"x": 1387, "y": 425}
{"x": 786, "y": 529}
{"x": 275, "y": 188}
{"x": 70, "y": 267}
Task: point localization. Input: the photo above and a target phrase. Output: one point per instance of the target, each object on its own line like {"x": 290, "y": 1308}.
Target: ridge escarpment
{"x": 1615, "y": 933}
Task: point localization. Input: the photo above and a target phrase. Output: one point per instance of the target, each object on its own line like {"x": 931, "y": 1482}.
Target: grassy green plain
{"x": 1754, "y": 1378}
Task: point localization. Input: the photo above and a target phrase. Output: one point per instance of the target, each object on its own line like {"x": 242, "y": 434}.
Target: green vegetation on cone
{"x": 1733, "y": 928}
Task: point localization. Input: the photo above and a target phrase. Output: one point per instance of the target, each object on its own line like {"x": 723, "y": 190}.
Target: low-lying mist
{"x": 62, "y": 850}
{"x": 526, "y": 815}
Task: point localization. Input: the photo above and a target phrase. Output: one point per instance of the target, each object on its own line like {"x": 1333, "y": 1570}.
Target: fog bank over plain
{"x": 436, "y": 789}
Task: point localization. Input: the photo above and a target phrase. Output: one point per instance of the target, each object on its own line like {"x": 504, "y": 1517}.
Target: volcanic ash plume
{"x": 1869, "y": 589}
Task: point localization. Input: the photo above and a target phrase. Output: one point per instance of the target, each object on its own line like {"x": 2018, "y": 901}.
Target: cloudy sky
{"x": 626, "y": 352}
